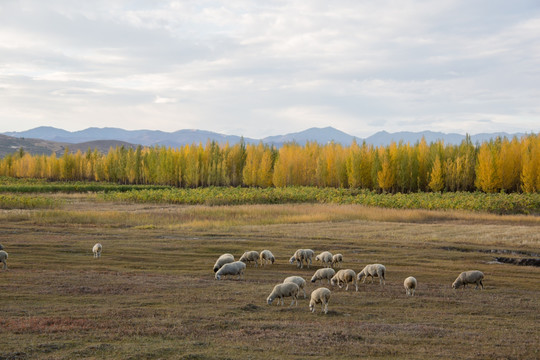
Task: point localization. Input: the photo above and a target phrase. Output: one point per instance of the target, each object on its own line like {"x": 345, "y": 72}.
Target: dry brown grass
{"x": 152, "y": 294}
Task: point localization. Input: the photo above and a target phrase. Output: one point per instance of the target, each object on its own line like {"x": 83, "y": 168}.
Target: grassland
{"x": 152, "y": 295}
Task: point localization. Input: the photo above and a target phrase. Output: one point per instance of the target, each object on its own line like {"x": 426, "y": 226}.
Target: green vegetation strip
{"x": 36, "y": 186}
{"x": 27, "y": 202}
{"x": 499, "y": 203}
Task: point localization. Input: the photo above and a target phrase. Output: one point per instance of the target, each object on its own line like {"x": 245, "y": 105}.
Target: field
{"x": 152, "y": 295}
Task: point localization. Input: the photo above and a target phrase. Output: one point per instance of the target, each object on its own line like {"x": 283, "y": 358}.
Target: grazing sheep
{"x": 266, "y": 256}
{"x": 284, "y": 290}
{"x": 324, "y": 273}
{"x": 298, "y": 281}
{"x": 222, "y": 260}
{"x": 97, "y": 250}
{"x": 325, "y": 258}
{"x": 299, "y": 256}
{"x": 250, "y": 256}
{"x": 345, "y": 276}
{"x": 337, "y": 259}
{"x": 309, "y": 254}
{"x": 234, "y": 268}
{"x": 3, "y": 258}
{"x": 320, "y": 296}
{"x": 469, "y": 277}
{"x": 410, "y": 285}
{"x": 373, "y": 270}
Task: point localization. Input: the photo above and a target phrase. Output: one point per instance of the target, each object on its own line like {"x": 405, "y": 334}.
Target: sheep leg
{"x": 294, "y": 298}
{"x": 326, "y": 307}
{"x": 4, "y": 267}
{"x": 305, "y": 295}
{"x": 347, "y": 287}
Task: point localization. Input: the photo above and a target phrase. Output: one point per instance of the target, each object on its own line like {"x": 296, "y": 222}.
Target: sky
{"x": 262, "y": 68}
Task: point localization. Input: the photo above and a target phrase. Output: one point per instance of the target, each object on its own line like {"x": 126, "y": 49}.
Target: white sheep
{"x": 325, "y": 258}
{"x": 249, "y": 256}
{"x": 222, "y": 260}
{"x": 373, "y": 270}
{"x": 266, "y": 256}
{"x": 234, "y": 268}
{"x": 344, "y": 276}
{"x": 309, "y": 254}
{"x": 299, "y": 257}
{"x": 284, "y": 290}
{"x": 298, "y": 281}
{"x": 324, "y": 273}
{"x": 410, "y": 285}
{"x": 320, "y": 296}
{"x": 469, "y": 277}
{"x": 3, "y": 258}
{"x": 337, "y": 259}
{"x": 97, "y": 250}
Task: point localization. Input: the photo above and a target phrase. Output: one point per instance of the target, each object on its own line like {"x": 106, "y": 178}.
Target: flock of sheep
{"x": 227, "y": 266}
{"x": 291, "y": 286}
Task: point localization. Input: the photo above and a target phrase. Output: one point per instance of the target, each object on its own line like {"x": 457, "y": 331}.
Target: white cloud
{"x": 265, "y": 68}
{"x": 164, "y": 100}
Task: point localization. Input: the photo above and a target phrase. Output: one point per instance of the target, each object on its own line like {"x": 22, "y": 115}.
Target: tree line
{"x": 502, "y": 164}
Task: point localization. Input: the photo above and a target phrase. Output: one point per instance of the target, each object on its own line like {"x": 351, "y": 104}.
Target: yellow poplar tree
{"x": 436, "y": 182}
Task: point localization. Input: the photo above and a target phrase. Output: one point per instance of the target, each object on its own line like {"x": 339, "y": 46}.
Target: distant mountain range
{"x": 10, "y": 144}
{"x": 103, "y": 138}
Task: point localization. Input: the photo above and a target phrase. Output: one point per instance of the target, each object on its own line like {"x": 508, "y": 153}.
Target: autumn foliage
{"x": 509, "y": 165}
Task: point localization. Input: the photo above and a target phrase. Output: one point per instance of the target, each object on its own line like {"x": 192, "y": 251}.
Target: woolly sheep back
{"x": 410, "y": 285}
{"x": 250, "y": 256}
{"x": 345, "y": 276}
{"x": 234, "y": 268}
{"x": 299, "y": 257}
{"x": 284, "y": 290}
{"x": 298, "y": 280}
{"x": 325, "y": 258}
{"x": 222, "y": 260}
{"x": 324, "y": 273}
{"x": 469, "y": 277}
{"x": 337, "y": 259}
{"x": 97, "y": 250}
{"x": 320, "y": 296}
{"x": 373, "y": 270}
{"x": 266, "y": 256}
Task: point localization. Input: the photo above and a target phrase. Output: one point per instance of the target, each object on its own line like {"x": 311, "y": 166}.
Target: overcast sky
{"x": 260, "y": 68}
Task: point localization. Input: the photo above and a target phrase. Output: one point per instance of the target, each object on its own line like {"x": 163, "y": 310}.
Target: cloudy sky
{"x": 260, "y": 68}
